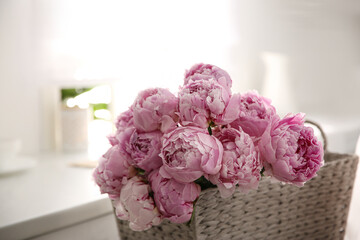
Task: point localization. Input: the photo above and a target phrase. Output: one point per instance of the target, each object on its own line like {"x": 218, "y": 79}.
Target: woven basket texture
{"x": 318, "y": 210}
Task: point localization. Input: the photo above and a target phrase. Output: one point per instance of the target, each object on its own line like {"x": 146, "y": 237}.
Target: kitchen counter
{"x": 50, "y": 196}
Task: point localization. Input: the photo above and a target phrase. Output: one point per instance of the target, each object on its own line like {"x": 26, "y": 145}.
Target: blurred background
{"x": 304, "y": 55}
{"x": 69, "y": 67}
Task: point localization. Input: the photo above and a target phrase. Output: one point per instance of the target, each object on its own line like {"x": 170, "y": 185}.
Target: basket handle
{"x": 323, "y": 135}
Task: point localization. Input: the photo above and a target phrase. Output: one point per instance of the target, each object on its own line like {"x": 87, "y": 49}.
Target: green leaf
{"x": 100, "y": 106}
{"x": 204, "y": 183}
{"x": 262, "y": 172}
{"x": 140, "y": 171}
{"x": 192, "y": 214}
{"x": 151, "y": 194}
{"x": 209, "y": 130}
{"x": 72, "y": 92}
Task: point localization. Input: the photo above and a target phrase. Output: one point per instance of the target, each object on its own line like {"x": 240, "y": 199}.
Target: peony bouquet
{"x": 169, "y": 148}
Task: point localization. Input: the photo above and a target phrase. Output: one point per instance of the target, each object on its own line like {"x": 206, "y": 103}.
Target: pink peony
{"x": 188, "y": 153}
{"x": 112, "y": 172}
{"x": 141, "y": 149}
{"x": 241, "y": 165}
{"x": 113, "y": 140}
{"x": 255, "y": 115}
{"x": 201, "y": 102}
{"x": 174, "y": 200}
{"x": 207, "y": 71}
{"x": 231, "y": 112}
{"x": 136, "y": 205}
{"x": 123, "y": 121}
{"x": 289, "y": 150}
{"x": 155, "y": 109}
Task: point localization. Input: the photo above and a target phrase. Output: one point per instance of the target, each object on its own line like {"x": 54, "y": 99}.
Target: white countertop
{"x": 49, "y": 196}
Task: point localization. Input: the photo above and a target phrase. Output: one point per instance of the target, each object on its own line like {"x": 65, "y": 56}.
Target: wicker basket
{"x": 318, "y": 210}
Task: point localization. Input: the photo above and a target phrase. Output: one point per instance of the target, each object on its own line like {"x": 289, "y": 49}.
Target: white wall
{"x": 318, "y": 46}
{"x": 47, "y": 44}
{"x": 18, "y": 83}
{"x": 310, "y": 47}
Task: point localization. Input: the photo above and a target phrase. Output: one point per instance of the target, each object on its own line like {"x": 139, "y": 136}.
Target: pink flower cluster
{"x": 168, "y": 148}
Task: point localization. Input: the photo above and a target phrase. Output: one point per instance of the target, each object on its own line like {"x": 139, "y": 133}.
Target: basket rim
{"x": 339, "y": 157}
